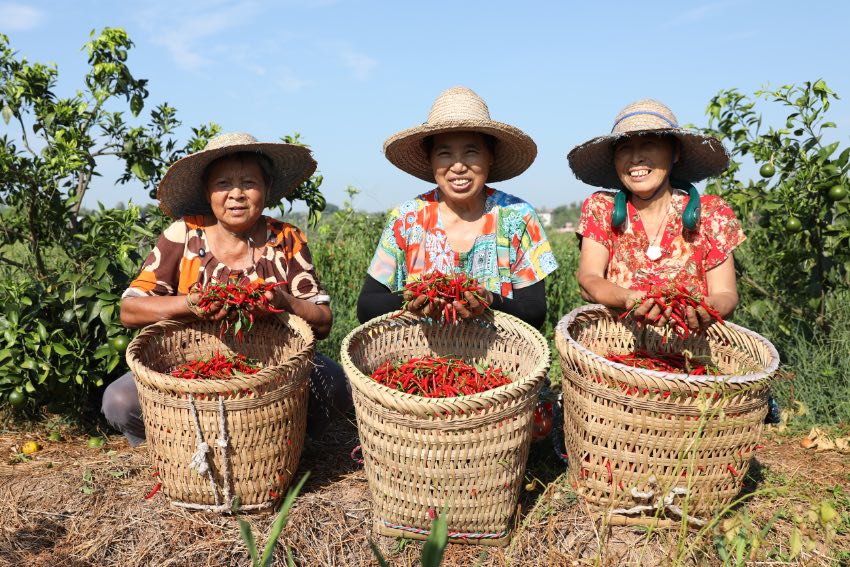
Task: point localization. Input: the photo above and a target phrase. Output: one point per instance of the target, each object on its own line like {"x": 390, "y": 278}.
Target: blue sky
{"x": 347, "y": 74}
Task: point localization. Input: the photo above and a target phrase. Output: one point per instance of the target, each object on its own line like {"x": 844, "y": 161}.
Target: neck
{"x": 249, "y": 235}
{"x": 468, "y": 209}
{"x": 658, "y": 202}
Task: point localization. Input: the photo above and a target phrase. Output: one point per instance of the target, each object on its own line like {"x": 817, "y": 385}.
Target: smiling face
{"x": 643, "y": 163}
{"x": 461, "y": 162}
{"x": 236, "y": 190}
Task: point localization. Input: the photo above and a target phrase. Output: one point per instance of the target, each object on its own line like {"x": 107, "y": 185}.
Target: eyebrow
{"x": 474, "y": 145}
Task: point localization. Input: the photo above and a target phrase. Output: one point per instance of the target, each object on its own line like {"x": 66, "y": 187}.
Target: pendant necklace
{"x": 653, "y": 251}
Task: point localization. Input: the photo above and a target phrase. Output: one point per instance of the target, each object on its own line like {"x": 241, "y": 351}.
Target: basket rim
{"x": 561, "y": 331}
{"x": 445, "y": 404}
{"x": 166, "y": 383}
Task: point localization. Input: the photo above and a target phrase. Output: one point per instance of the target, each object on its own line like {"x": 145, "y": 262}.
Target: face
{"x": 461, "y": 162}
{"x": 236, "y": 191}
{"x": 643, "y": 163}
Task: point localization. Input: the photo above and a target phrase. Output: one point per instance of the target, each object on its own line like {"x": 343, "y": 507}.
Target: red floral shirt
{"x": 686, "y": 255}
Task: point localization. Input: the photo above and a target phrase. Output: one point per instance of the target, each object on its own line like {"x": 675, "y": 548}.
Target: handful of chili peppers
{"x": 679, "y": 299}
{"x": 448, "y": 287}
{"x": 241, "y": 298}
{"x": 439, "y": 377}
{"x": 217, "y": 367}
{"x": 665, "y": 362}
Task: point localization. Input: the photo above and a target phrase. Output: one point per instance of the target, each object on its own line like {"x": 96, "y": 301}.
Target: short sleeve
{"x": 595, "y": 221}
{"x": 300, "y": 271}
{"x": 388, "y": 263}
{"x": 534, "y": 259}
{"x": 721, "y": 229}
{"x": 160, "y": 274}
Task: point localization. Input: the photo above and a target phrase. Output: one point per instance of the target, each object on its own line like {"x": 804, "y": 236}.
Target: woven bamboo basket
{"x": 657, "y": 448}
{"x": 214, "y": 440}
{"x": 466, "y": 453}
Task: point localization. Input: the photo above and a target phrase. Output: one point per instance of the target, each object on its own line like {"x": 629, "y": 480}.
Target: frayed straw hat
{"x": 460, "y": 109}
{"x": 700, "y": 156}
{"x": 181, "y": 191}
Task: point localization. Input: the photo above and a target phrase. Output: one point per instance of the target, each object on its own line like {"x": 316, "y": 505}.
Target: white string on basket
{"x": 199, "y": 458}
{"x": 223, "y": 441}
{"x": 663, "y": 503}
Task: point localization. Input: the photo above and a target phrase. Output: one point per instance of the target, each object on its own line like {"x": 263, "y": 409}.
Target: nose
{"x": 458, "y": 166}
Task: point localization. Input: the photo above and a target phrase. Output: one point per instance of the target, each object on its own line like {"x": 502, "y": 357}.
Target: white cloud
{"x": 17, "y": 17}
{"x": 289, "y": 83}
{"x": 191, "y": 32}
{"x": 361, "y": 65}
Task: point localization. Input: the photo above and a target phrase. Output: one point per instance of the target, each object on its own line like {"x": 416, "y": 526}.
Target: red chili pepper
{"x": 156, "y": 488}
{"x": 732, "y": 470}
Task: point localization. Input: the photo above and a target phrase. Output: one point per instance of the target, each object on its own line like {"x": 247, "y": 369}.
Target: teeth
{"x": 460, "y": 182}
{"x": 639, "y": 172}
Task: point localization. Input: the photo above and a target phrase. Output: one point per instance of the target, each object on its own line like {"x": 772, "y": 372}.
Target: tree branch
{"x": 24, "y": 135}
{"x": 12, "y": 262}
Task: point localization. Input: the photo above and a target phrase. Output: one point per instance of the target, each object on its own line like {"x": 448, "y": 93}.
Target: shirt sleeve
{"x": 534, "y": 259}
{"x": 595, "y": 221}
{"x": 388, "y": 264}
{"x": 721, "y": 228}
{"x": 160, "y": 274}
{"x": 300, "y": 271}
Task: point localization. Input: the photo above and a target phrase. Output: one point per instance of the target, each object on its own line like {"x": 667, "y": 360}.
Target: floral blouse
{"x": 181, "y": 257}
{"x": 686, "y": 255}
{"x": 512, "y": 251}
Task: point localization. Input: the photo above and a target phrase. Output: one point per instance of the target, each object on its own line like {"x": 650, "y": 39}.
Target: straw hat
{"x": 181, "y": 191}
{"x": 700, "y": 156}
{"x": 460, "y": 109}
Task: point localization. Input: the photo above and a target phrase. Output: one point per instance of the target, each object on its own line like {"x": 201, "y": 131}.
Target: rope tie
{"x": 457, "y": 535}
{"x": 664, "y": 502}
{"x": 223, "y": 442}
{"x": 199, "y": 458}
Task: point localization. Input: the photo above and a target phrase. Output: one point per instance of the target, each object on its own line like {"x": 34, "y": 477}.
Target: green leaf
{"x": 250, "y": 542}
{"x": 102, "y": 352}
{"x": 60, "y": 349}
{"x": 435, "y": 545}
{"x": 280, "y": 521}
{"x": 136, "y": 104}
{"x": 7, "y": 114}
{"x": 139, "y": 171}
{"x": 100, "y": 267}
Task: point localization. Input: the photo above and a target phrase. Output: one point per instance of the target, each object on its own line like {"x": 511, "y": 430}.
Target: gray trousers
{"x": 330, "y": 395}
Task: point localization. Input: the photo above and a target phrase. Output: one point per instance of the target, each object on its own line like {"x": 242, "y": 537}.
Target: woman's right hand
{"x": 216, "y": 311}
{"x": 422, "y": 307}
{"x": 648, "y": 311}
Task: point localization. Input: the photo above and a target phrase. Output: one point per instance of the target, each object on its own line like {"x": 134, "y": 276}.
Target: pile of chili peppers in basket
{"x": 665, "y": 362}
{"x": 217, "y": 367}
{"x": 679, "y": 299}
{"x": 439, "y": 377}
{"x": 241, "y": 298}
{"x": 449, "y": 287}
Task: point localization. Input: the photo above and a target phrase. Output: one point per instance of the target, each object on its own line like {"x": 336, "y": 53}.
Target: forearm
{"x": 528, "y": 304}
{"x": 319, "y": 317}
{"x": 139, "y": 312}
{"x": 376, "y": 299}
{"x": 724, "y": 302}
{"x": 597, "y": 289}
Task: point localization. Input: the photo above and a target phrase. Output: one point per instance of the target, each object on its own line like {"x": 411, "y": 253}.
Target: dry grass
{"x": 49, "y": 520}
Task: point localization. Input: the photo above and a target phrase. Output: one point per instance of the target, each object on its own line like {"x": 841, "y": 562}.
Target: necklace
{"x": 653, "y": 251}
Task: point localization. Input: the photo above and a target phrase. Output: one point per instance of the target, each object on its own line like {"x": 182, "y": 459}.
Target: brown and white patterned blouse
{"x": 182, "y": 257}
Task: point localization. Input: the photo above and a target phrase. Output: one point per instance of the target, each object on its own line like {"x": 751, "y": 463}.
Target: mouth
{"x": 460, "y": 183}
{"x": 639, "y": 173}
{"x": 237, "y": 210}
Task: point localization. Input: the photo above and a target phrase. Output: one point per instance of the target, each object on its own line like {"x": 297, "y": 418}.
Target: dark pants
{"x": 330, "y": 395}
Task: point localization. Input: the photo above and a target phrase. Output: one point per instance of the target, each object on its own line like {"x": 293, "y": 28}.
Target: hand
{"x": 215, "y": 312}
{"x": 422, "y": 307}
{"x": 698, "y": 319}
{"x": 278, "y": 300}
{"x": 649, "y": 310}
{"x": 474, "y": 307}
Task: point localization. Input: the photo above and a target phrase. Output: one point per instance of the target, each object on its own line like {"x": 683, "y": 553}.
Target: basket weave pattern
{"x": 467, "y": 453}
{"x": 264, "y": 414}
{"x": 624, "y": 425}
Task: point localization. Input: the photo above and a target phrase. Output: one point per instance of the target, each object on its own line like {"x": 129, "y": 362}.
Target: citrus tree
{"x": 796, "y": 211}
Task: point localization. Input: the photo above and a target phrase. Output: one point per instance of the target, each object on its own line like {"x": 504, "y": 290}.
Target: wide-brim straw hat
{"x": 459, "y": 109}
{"x": 182, "y": 192}
{"x": 700, "y": 155}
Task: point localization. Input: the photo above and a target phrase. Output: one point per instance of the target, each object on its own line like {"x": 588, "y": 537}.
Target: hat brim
{"x": 515, "y": 150}
{"x": 700, "y": 157}
{"x": 182, "y": 193}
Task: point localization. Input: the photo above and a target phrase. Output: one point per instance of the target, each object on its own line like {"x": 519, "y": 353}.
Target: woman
{"x": 462, "y": 225}
{"x": 218, "y": 196}
{"x": 657, "y": 230}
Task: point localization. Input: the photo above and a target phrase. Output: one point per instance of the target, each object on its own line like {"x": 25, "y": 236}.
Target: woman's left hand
{"x": 278, "y": 299}
{"x": 474, "y": 306}
{"x": 698, "y": 319}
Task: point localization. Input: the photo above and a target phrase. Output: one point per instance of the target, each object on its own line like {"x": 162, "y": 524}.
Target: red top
{"x": 686, "y": 256}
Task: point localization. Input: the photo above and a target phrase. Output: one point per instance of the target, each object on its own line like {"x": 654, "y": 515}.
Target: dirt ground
{"x": 70, "y": 505}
